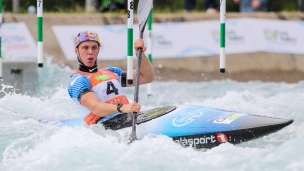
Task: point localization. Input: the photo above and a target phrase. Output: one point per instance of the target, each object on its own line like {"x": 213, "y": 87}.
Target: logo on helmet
{"x": 86, "y": 36}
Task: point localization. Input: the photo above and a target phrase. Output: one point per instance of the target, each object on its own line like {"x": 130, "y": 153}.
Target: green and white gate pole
{"x": 130, "y": 42}
{"x": 1, "y": 76}
{"x": 40, "y": 32}
{"x": 222, "y": 35}
{"x": 149, "y": 86}
{"x": 1, "y": 73}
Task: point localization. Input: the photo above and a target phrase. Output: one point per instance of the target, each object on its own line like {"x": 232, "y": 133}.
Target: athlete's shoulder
{"x": 77, "y": 84}
{"x": 78, "y": 79}
{"x": 116, "y": 70}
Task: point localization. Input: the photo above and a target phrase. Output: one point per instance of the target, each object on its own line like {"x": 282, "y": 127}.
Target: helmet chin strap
{"x": 84, "y": 68}
{"x": 79, "y": 59}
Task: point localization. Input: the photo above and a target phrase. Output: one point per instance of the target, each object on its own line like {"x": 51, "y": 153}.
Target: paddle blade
{"x": 133, "y": 136}
{"x": 143, "y": 10}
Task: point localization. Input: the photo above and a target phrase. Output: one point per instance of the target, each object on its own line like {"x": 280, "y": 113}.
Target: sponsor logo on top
{"x": 102, "y": 77}
{"x": 73, "y": 82}
{"x": 186, "y": 117}
{"x": 228, "y": 118}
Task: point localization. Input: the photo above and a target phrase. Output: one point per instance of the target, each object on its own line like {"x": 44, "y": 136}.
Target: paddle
{"x": 143, "y": 11}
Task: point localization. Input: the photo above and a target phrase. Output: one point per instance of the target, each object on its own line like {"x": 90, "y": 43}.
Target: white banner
{"x": 189, "y": 39}
{"x": 113, "y": 40}
{"x": 277, "y": 36}
{"x": 17, "y": 42}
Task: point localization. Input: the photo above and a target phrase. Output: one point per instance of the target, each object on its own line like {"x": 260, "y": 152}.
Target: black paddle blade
{"x": 143, "y": 10}
{"x": 133, "y": 136}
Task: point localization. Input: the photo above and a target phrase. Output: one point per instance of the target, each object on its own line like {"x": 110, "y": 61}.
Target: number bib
{"x": 110, "y": 92}
{"x": 106, "y": 85}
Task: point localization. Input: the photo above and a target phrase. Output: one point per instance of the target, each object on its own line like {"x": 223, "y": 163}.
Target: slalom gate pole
{"x": 130, "y": 42}
{"x": 222, "y": 35}
{"x": 149, "y": 86}
{"x": 1, "y": 76}
{"x": 40, "y": 32}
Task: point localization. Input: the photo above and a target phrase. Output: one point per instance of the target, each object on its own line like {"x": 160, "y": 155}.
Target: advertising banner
{"x": 190, "y": 39}
{"x": 277, "y": 36}
{"x": 113, "y": 40}
{"x": 17, "y": 42}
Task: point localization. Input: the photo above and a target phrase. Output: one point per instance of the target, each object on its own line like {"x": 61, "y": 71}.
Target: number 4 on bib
{"x": 111, "y": 88}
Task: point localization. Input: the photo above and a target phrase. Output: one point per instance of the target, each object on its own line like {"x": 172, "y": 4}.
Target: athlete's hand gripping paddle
{"x": 143, "y": 10}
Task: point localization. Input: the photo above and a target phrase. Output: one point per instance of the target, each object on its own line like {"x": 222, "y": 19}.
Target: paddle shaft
{"x": 134, "y": 119}
{"x": 144, "y": 8}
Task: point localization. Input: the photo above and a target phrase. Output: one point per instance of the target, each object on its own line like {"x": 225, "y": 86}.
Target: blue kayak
{"x": 200, "y": 126}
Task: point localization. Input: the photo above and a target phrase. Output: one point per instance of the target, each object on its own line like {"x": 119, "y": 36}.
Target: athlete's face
{"x": 88, "y": 52}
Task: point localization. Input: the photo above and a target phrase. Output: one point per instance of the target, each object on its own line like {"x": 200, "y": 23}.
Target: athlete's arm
{"x": 80, "y": 89}
{"x": 91, "y": 101}
{"x": 146, "y": 68}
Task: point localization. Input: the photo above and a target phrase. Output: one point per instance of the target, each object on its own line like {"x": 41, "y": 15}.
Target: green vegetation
{"x": 75, "y": 6}
{"x": 48, "y": 5}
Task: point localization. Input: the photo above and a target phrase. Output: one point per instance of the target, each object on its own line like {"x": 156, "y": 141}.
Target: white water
{"x": 26, "y": 144}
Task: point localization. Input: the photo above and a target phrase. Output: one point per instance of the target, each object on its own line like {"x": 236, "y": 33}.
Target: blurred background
{"x": 71, "y": 6}
{"x": 262, "y": 38}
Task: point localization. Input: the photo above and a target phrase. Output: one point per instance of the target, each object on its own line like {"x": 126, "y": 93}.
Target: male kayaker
{"x": 98, "y": 93}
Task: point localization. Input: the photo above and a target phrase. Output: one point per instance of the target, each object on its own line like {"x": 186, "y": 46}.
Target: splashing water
{"x": 26, "y": 144}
